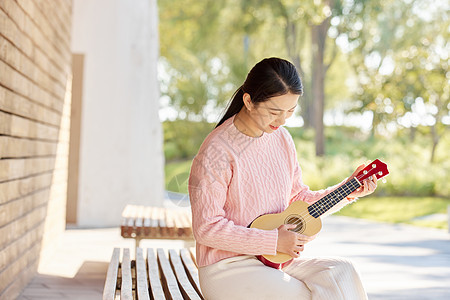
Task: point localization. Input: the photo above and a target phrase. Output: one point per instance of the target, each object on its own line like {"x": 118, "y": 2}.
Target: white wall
{"x": 121, "y": 155}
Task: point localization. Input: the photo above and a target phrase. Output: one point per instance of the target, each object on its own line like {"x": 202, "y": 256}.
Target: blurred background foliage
{"x": 376, "y": 81}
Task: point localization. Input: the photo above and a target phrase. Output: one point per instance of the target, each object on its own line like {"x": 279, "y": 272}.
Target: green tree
{"x": 193, "y": 64}
{"x": 401, "y": 59}
{"x": 297, "y": 21}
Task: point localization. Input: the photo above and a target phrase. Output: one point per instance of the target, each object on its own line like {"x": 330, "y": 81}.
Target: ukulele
{"x": 307, "y": 217}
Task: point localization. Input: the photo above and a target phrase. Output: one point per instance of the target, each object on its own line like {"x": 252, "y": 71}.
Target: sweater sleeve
{"x": 209, "y": 179}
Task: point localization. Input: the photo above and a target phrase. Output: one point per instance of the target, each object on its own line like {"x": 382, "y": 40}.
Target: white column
{"x": 121, "y": 155}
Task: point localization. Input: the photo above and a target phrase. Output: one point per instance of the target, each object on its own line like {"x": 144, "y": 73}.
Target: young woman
{"x": 247, "y": 167}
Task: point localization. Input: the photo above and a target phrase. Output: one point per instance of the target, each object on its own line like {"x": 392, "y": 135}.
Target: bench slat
{"x": 147, "y": 220}
{"x": 170, "y": 224}
{"x": 139, "y": 222}
{"x": 126, "y": 290}
{"x": 191, "y": 269}
{"x": 153, "y": 276}
{"x": 185, "y": 285}
{"x": 167, "y": 277}
{"x": 193, "y": 255}
{"x": 129, "y": 216}
{"x": 124, "y": 225}
{"x": 155, "y": 222}
{"x": 179, "y": 224}
{"x": 141, "y": 277}
{"x": 185, "y": 220}
{"x": 162, "y": 222}
{"x": 109, "y": 290}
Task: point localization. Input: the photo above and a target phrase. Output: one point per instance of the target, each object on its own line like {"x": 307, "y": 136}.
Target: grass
{"x": 407, "y": 210}
{"x": 384, "y": 209}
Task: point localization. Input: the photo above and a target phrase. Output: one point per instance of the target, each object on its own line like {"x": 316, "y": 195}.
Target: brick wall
{"x": 35, "y": 92}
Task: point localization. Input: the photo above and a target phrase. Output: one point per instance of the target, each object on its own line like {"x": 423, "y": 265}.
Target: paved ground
{"x": 396, "y": 262}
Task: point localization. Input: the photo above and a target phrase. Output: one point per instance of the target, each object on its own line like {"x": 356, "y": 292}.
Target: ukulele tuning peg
{"x": 365, "y": 172}
{"x": 383, "y": 180}
{"x": 374, "y": 166}
{"x": 380, "y": 173}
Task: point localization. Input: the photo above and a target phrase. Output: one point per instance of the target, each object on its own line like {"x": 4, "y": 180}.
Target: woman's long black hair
{"x": 269, "y": 78}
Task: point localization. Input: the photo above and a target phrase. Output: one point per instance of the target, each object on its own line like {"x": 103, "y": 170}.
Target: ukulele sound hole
{"x": 296, "y": 220}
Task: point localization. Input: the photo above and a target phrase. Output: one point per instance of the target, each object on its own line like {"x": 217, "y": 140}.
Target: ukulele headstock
{"x": 377, "y": 168}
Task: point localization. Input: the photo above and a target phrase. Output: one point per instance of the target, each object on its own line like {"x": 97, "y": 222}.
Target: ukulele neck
{"x": 324, "y": 204}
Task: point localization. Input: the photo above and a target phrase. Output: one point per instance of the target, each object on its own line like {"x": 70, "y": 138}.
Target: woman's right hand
{"x": 290, "y": 242}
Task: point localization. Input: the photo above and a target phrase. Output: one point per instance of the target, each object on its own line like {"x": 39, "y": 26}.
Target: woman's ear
{"x": 248, "y": 101}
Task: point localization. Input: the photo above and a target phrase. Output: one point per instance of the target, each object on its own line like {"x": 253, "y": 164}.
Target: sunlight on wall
{"x": 55, "y": 220}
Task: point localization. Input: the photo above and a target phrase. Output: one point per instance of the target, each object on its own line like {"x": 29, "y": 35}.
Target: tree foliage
{"x": 398, "y": 51}
{"x": 400, "y": 58}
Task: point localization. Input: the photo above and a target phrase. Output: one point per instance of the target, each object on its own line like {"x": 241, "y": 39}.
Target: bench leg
{"x": 138, "y": 241}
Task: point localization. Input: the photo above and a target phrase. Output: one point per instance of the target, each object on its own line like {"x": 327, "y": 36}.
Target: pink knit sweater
{"x": 236, "y": 178}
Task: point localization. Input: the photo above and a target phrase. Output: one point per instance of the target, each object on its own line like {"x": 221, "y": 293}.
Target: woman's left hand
{"x": 368, "y": 185}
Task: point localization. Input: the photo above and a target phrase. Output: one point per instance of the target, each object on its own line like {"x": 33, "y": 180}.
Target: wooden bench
{"x": 153, "y": 276}
{"x": 146, "y": 222}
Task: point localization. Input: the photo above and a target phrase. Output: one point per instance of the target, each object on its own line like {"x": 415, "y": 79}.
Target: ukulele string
{"x": 308, "y": 217}
{"x": 338, "y": 192}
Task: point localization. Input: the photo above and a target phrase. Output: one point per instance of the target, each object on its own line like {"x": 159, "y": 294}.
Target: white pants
{"x": 245, "y": 277}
